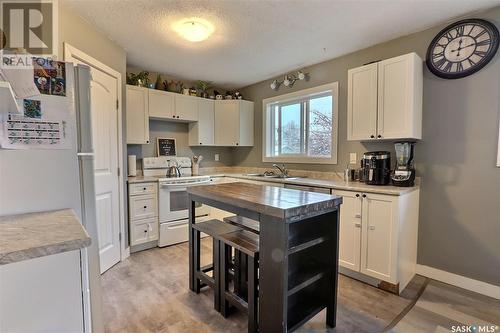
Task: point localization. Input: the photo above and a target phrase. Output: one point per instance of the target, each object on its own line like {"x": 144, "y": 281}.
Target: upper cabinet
{"x": 385, "y": 99}
{"x": 234, "y": 123}
{"x": 201, "y": 133}
{"x": 137, "y": 116}
{"x": 161, "y": 104}
{"x": 186, "y": 107}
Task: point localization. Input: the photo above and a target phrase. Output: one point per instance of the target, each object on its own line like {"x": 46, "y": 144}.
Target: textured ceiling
{"x": 259, "y": 39}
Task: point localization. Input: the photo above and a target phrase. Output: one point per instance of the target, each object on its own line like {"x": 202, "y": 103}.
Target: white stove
{"x": 173, "y": 199}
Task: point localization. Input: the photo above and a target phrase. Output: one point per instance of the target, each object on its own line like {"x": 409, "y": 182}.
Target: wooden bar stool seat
{"x": 244, "y": 222}
{"x": 247, "y": 243}
{"x": 213, "y": 228}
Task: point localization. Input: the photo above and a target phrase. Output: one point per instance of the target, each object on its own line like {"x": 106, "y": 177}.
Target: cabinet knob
{"x": 147, "y": 141}
{"x": 357, "y": 225}
{"x": 146, "y": 230}
{"x": 357, "y": 195}
{"x": 144, "y": 189}
{"x": 173, "y": 116}
{"x": 201, "y": 143}
{"x": 372, "y": 227}
{"x": 237, "y": 143}
{"x": 372, "y": 136}
{"x": 145, "y": 207}
{"x": 177, "y": 117}
{"x": 364, "y": 195}
{"x": 358, "y": 216}
{"x": 379, "y": 136}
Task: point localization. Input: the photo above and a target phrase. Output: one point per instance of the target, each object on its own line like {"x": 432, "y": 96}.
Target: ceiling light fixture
{"x": 289, "y": 80}
{"x": 194, "y": 29}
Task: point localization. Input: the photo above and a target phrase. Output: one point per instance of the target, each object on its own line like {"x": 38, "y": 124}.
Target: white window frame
{"x": 267, "y": 123}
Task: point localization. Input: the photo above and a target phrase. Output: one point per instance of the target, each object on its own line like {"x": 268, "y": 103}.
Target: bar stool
{"x": 213, "y": 228}
{"x": 240, "y": 259}
{"x": 247, "y": 243}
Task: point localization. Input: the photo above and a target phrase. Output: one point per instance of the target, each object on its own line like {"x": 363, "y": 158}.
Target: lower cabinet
{"x": 378, "y": 235}
{"x": 143, "y": 213}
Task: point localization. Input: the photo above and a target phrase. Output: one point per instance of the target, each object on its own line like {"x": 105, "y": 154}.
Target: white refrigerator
{"x": 33, "y": 180}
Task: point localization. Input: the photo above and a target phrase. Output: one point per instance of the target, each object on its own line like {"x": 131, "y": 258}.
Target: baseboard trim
{"x": 477, "y": 286}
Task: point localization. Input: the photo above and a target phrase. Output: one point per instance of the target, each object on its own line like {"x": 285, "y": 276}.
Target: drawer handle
{"x": 372, "y": 227}
{"x": 358, "y": 216}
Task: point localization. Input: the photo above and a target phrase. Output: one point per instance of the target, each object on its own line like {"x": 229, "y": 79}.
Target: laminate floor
{"x": 442, "y": 307}
{"x": 149, "y": 292}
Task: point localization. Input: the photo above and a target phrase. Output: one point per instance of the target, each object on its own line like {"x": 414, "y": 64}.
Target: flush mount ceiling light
{"x": 194, "y": 29}
{"x": 289, "y": 80}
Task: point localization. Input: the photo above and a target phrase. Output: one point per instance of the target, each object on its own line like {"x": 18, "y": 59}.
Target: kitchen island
{"x": 298, "y": 263}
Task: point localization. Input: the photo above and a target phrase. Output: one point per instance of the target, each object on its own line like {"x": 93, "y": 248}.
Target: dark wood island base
{"x": 298, "y": 263}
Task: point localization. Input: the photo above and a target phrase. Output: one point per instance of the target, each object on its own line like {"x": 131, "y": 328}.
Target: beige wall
{"x": 460, "y": 205}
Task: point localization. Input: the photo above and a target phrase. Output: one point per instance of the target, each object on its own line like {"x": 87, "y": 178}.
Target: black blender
{"x": 404, "y": 172}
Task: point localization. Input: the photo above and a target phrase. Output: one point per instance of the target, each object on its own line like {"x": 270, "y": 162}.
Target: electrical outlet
{"x": 217, "y": 157}
{"x": 353, "y": 158}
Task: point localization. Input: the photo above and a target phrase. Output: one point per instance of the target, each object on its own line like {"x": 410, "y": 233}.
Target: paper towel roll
{"x": 132, "y": 166}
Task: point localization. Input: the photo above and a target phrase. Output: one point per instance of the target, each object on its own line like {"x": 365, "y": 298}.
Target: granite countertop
{"x": 34, "y": 235}
{"x": 334, "y": 184}
{"x": 273, "y": 201}
{"x": 304, "y": 181}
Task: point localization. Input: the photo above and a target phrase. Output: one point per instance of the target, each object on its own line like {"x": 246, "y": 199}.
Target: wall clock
{"x": 462, "y": 48}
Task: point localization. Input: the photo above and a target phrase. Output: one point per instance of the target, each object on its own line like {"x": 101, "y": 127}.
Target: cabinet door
{"x": 350, "y": 230}
{"x": 201, "y": 133}
{"x": 379, "y": 237}
{"x": 161, "y": 104}
{"x": 186, "y": 107}
{"x": 138, "y": 233}
{"x": 397, "y": 107}
{"x": 362, "y": 103}
{"x": 226, "y": 123}
{"x": 137, "y": 115}
{"x": 153, "y": 230}
{"x": 246, "y": 123}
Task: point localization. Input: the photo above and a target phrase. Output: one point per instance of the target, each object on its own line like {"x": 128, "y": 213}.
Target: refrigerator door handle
{"x": 84, "y": 154}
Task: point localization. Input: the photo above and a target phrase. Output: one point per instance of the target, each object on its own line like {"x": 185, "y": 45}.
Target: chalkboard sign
{"x": 165, "y": 147}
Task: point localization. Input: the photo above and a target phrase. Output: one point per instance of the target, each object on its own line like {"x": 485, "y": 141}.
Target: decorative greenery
{"x": 203, "y": 87}
{"x": 140, "y": 79}
{"x": 173, "y": 86}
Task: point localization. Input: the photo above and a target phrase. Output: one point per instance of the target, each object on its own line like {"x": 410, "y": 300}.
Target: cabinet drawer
{"x": 143, "y": 206}
{"x": 138, "y": 233}
{"x": 142, "y": 188}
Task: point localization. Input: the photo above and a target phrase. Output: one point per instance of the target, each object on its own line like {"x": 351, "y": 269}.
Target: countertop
{"x": 34, "y": 235}
{"x": 272, "y": 201}
{"x": 305, "y": 181}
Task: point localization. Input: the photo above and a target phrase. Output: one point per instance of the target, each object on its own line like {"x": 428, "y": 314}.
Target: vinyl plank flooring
{"x": 149, "y": 292}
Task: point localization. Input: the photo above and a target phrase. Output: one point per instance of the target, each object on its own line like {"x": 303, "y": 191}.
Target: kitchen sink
{"x": 271, "y": 176}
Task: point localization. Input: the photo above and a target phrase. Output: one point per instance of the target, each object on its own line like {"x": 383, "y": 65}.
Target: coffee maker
{"x": 404, "y": 172}
{"x": 376, "y": 167}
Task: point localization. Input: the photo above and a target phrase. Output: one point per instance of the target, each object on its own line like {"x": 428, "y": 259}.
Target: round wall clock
{"x": 462, "y": 48}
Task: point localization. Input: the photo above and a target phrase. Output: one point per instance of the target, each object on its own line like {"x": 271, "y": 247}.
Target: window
{"x": 301, "y": 127}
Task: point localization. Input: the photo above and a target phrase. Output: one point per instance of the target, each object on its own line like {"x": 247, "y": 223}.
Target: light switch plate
{"x": 217, "y": 157}
{"x": 353, "y": 158}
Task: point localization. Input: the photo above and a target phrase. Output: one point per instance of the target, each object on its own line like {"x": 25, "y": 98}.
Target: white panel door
{"x": 161, "y": 104}
{"x": 186, "y": 107}
{"x": 362, "y": 103}
{"x": 103, "y": 90}
{"x": 394, "y": 98}
{"x": 350, "y": 230}
{"x": 379, "y": 237}
{"x": 226, "y": 123}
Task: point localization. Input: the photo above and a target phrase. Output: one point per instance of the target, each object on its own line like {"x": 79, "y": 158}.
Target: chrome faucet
{"x": 282, "y": 169}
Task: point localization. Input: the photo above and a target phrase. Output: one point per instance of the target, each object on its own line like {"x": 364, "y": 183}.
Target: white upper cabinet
{"x": 385, "y": 99}
{"x": 201, "y": 133}
{"x": 137, "y": 116}
{"x": 234, "y": 123}
{"x": 362, "y": 102}
{"x": 161, "y": 104}
{"x": 186, "y": 107}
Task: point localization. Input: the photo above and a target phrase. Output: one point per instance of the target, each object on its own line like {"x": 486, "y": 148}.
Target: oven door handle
{"x": 184, "y": 184}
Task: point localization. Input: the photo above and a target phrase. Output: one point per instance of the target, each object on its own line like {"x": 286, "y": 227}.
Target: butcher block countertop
{"x": 34, "y": 235}
{"x": 273, "y": 201}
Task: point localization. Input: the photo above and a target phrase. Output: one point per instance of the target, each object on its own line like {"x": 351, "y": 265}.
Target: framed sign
{"x": 165, "y": 147}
